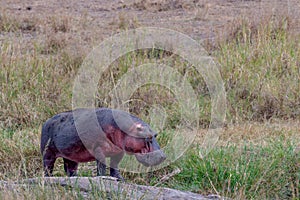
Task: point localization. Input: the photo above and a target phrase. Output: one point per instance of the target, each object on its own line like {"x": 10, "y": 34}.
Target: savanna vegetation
{"x": 257, "y": 155}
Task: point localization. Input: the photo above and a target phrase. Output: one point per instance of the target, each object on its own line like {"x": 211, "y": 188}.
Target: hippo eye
{"x": 155, "y": 135}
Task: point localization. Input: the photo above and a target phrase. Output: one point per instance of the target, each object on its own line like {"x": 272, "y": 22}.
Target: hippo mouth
{"x": 147, "y": 149}
{"x": 152, "y": 158}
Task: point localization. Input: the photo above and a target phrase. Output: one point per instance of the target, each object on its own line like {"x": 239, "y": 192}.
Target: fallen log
{"x": 111, "y": 187}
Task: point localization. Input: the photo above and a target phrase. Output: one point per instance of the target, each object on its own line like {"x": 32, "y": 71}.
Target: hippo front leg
{"x": 101, "y": 168}
{"x": 101, "y": 164}
{"x": 114, "y": 162}
{"x": 70, "y": 167}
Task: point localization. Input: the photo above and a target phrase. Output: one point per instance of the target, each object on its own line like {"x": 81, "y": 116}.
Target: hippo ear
{"x": 142, "y": 131}
{"x": 139, "y": 127}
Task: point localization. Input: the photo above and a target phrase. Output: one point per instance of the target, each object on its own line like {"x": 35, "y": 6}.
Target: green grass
{"x": 247, "y": 171}
{"x": 19, "y": 154}
{"x": 250, "y": 171}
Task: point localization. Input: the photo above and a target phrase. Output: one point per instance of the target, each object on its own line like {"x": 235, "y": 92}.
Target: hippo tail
{"x": 46, "y": 135}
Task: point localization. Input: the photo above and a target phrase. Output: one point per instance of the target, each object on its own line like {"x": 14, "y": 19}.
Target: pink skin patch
{"x": 142, "y": 148}
{"x": 137, "y": 145}
{"x": 126, "y": 142}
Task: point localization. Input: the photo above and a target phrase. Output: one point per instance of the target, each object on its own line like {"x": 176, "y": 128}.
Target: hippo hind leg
{"x": 48, "y": 162}
{"x": 114, "y": 162}
{"x": 70, "y": 167}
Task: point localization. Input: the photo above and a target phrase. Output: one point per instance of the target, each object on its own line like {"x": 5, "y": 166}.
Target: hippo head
{"x": 151, "y": 158}
{"x": 137, "y": 138}
{"x": 146, "y": 150}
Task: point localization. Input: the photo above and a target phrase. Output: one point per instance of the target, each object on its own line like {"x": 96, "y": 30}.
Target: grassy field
{"x": 256, "y": 157}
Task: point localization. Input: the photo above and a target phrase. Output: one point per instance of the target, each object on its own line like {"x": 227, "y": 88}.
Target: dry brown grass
{"x": 39, "y": 58}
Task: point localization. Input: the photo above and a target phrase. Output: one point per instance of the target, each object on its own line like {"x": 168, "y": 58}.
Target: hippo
{"x": 118, "y": 132}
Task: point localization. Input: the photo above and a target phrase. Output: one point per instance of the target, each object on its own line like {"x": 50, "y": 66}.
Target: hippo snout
{"x": 151, "y": 158}
{"x": 154, "y": 156}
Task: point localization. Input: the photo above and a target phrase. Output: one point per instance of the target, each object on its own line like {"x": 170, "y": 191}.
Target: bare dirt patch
{"x": 89, "y": 22}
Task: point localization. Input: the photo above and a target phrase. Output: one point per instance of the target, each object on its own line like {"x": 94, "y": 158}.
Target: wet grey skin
{"x": 119, "y": 133}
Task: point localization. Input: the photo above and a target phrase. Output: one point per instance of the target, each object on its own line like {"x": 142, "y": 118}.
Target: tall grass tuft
{"x": 261, "y": 68}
